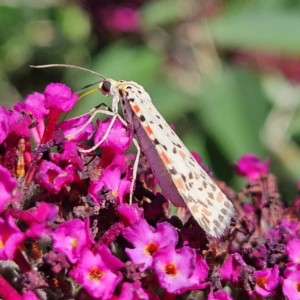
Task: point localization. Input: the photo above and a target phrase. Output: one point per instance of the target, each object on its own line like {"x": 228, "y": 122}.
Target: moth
{"x": 181, "y": 178}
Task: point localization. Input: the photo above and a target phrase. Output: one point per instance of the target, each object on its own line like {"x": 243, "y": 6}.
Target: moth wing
{"x": 207, "y": 203}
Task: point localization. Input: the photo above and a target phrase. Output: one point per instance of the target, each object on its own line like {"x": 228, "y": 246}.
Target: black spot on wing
{"x": 191, "y": 163}
{"x": 177, "y": 145}
{"x": 156, "y": 142}
{"x": 217, "y": 224}
{"x": 220, "y": 218}
{"x": 227, "y": 204}
{"x": 213, "y": 187}
{"x": 173, "y": 171}
{"x": 224, "y": 211}
{"x": 209, "y": 202}
{"x": 142, "y": 118}
{"x": 174, "y": 150}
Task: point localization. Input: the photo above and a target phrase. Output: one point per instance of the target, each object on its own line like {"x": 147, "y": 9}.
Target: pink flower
{"x": 70, "y": 127}
{"x": 19, "y": 124}
{"x": 70, "y": 156}
{"x": 291, "y": 283}
{"x": 29, "y": 296}
{"x": 98, "y": 273}
{"x": 7, "y": 186}
{"x": 37, "y": 218}
{"x": 219, "y": 295}
{"x": 266, "y": 281}
{"x": 125, "y": 19}
{"x": 174, "y": 267}
{"x": 129, "y": 214}
{"x": 4, "y": 124}
{"x": 10, "y": 237}
{"x": 52, "y": 177}
{"x": 146, "y": 241}
{"x": 132, "y": 291}
{"x": 111, "y": 179}
{"x": 199, "y": 275}
{"x": 71, "y": 237}
{"x": 117, "y": 139}
{"x": 59, "y": 96}
{"x": 250, "y": 166}
{"x": 34, "y": 106}
{"x": 292, "y": 250}
{"x": 231, "y": 270}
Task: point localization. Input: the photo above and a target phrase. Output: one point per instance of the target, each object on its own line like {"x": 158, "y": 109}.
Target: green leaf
{"x": 233, "y": 109}
{"x": 258, "y": 29}
{"x": 159, "y": 13}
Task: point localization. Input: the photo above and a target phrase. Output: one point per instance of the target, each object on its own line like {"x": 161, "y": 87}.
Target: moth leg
{"x": 134, "y": 169}
{"x": 94, "y": 111}
{"x": 113, "y": 119}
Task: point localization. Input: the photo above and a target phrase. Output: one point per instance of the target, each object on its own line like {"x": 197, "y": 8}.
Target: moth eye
{"x": 106, "y": 86}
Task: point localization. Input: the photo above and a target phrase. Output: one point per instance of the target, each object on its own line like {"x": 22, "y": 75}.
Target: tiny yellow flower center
{"x": 3, "y": 240}
{"x": 115, "y": 194}
{"x": 151, "y": 248}
{"x": 95, "y": 274}
{"x": 74, "y": 243}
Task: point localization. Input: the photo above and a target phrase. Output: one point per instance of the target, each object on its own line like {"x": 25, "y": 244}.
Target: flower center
{"x": 95, "y": 274}
{"x": 52, "y": 174}
{"x": 297, "y": 286}
{"x": 115, "y": 194}
{"x": 151, "y": 248}
{"x": 170, "y": 269}
{"x": 74, "y": 243}
{"x": 261, "y": 281}
{"x": 3, "y": 240}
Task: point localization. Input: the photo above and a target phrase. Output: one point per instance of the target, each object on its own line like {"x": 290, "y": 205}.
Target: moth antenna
{"x": 88, "y": 85}
{"x": 67, "y": 66}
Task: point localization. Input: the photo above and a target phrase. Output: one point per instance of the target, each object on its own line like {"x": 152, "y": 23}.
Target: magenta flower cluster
{"x": 68, "y": 231}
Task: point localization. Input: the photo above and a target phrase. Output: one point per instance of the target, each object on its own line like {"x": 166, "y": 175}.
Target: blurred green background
{"x": 225, "y": 73}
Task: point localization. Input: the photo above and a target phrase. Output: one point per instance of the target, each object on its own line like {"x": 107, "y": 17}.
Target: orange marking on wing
{"x": 136, "y": 108}
{"x": 220, "y": 197}
{"x": 196, "y": 175}
{"x": 206, "y": 212}
{"x": 165, "y": 158}
{"x": 182, "y": 154}
{"x": 195, "y": 208}
{"x": 180, "y": 183}
{"x": 148, "y": 130}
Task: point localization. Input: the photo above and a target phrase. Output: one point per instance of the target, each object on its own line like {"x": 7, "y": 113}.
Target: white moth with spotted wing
{"x": 180, "y": 177}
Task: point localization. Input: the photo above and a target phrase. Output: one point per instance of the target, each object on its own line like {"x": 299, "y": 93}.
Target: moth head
{"x": 105, "y": 87}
